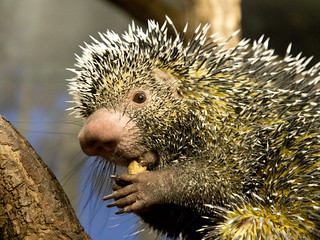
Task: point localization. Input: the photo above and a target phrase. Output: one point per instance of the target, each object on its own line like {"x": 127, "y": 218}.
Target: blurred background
{"x": 38, "y": 39}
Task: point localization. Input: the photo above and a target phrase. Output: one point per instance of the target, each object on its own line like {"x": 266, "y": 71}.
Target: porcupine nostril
{"x": 98, "y": 147}
{"x": 96, "y": 144}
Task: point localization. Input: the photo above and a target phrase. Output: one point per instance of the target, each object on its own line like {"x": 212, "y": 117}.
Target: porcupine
{"x": 230, "y": 137}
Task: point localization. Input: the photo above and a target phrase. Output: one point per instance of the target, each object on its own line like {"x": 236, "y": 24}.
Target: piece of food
{"x": 135, "y": 168}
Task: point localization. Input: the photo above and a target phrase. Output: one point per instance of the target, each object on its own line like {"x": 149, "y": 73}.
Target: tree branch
{"x": 33, "y": 204}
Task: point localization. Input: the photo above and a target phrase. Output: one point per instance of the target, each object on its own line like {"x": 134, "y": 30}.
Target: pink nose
{"x": 102, "y": 132}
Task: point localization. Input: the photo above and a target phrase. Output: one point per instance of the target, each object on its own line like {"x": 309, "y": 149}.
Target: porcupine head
{"x": 180, "y": 110}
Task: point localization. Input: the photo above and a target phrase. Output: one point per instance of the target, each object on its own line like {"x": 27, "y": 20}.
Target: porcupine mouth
{"x": 150, "y": 159}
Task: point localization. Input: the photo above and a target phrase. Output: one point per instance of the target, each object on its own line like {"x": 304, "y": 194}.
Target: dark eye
{"x": 140, "y": 97}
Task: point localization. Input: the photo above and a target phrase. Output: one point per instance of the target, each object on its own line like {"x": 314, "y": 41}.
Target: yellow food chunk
{"x": 135, "y": 168}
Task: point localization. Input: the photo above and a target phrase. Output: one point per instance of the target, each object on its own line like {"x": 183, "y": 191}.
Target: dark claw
{"x": 112, "y": 205}
{"x": 118, "y": 181}
{"x": 121, "y": 211}
{"x": 110, "y": 196}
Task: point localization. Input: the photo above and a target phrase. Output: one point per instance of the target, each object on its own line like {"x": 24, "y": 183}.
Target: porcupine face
{"x": 131, "y": 106}
{"x": 129, "y": 91}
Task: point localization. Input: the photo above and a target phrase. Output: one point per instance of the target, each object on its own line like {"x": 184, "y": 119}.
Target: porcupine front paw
{"x": 136, "y": 192}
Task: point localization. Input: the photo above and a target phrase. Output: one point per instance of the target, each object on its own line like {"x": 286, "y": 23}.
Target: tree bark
{"x": 33, "y": 204}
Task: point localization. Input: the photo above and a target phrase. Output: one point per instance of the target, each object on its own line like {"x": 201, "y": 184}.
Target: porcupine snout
{"x": 108, "y": 134}
{"x": 100, "y": 133}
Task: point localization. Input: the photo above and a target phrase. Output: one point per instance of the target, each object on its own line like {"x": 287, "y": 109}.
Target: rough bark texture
{"x": 224, "y": 16}
{"x": 33, "y": 204}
